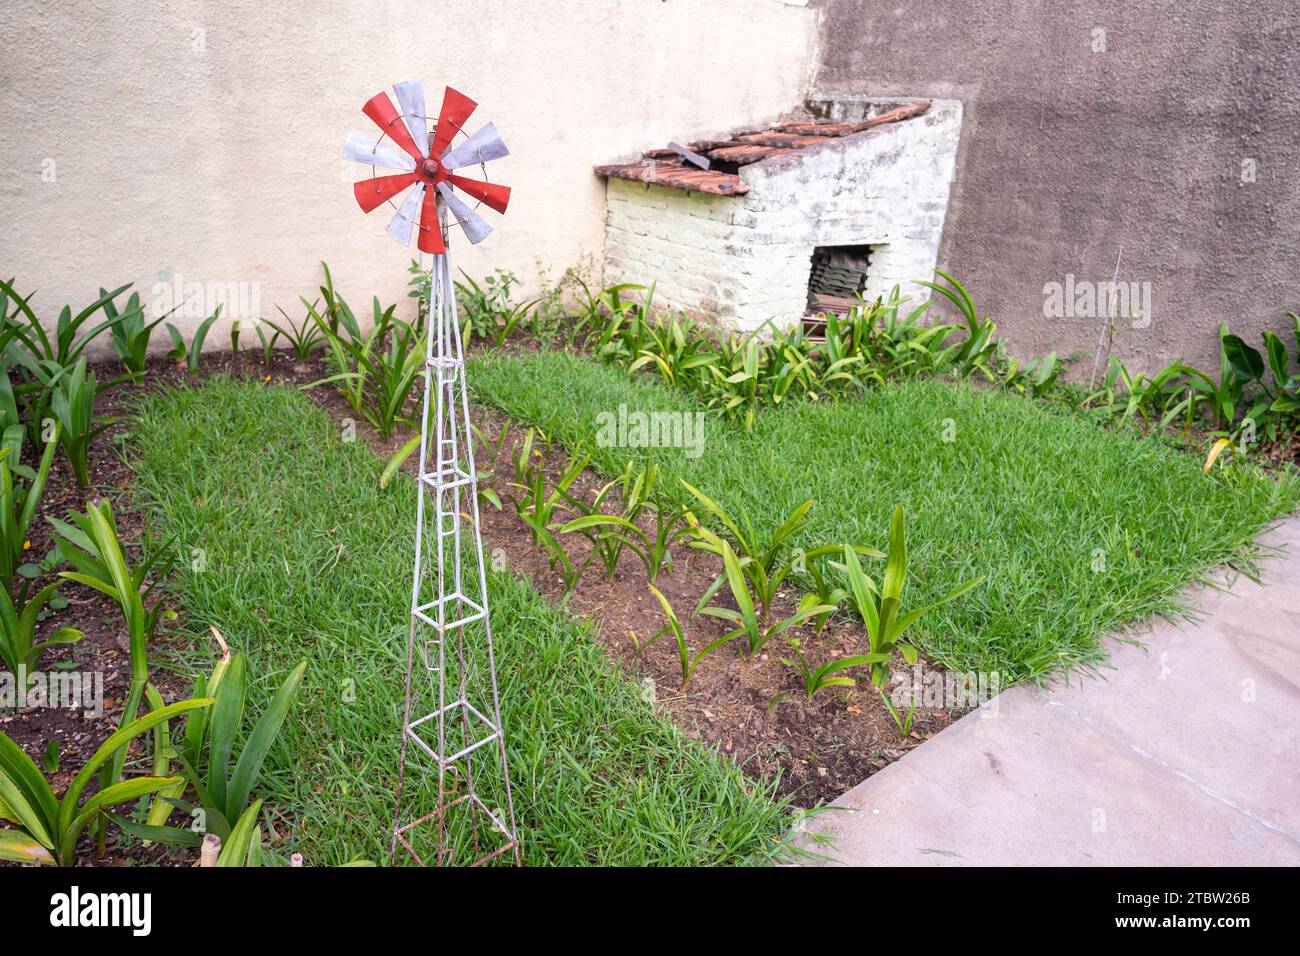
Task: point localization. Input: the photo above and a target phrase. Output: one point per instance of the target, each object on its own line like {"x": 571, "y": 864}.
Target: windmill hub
{"x": 432, "y": 171}
{"x": 427, "y": 162}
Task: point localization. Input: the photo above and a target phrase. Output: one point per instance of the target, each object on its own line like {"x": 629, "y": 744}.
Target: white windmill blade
{"x": 403, "y": 222}
{"x": 482, "y": 147}
{"x": 476, "y": 230}
{"x": 410, "y": 96}
{"x": 360, "y": 148}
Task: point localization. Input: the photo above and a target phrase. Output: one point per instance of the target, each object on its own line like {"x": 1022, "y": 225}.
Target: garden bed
{"x": 75, "y": 733}
{"x": 306, "y": 557}
{"x": 1157, "y": 521}
{"x": 289, "y": 544}
{"x": 1081, "y": 531}
{"x": 756, "y": 715}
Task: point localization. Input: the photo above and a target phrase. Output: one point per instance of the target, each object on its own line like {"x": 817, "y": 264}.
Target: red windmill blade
{"x": 425, "y": 162}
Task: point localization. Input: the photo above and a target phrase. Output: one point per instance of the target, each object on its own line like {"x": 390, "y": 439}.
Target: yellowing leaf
{"x": 18, "y": 847}
{"x": 1215, "y": 452}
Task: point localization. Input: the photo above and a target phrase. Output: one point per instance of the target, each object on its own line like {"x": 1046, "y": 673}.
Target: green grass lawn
{"x": 1079, "y": 530}
{"x": 304, "y": 557}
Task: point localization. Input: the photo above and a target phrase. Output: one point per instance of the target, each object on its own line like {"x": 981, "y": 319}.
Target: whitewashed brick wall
{"x": 746, "y": 259}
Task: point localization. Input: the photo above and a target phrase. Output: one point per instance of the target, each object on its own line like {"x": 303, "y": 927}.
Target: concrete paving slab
{"x": 1186, "y": 752}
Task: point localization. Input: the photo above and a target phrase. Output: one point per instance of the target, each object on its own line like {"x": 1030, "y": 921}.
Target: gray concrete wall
{"x": 1077, "y": 144}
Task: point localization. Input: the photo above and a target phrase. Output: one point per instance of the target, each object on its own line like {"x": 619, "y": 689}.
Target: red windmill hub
{"x": 428, "y": 163}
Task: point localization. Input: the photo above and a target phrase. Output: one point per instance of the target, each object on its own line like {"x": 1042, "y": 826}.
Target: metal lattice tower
{"x": 455, "y": 736}
{"x": 452, "y": 721}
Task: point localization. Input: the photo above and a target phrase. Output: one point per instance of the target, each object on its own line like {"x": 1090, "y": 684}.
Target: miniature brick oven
{"x": 788, "y": 221}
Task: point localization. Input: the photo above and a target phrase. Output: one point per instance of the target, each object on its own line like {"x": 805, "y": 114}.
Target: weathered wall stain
{"x": 1168, "y": 127}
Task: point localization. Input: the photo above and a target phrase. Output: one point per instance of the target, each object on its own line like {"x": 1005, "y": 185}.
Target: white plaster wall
{"x": 747, "y": 258}
{"x": 203, "y": 138}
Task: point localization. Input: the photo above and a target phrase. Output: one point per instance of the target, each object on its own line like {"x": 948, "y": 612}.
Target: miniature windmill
{"x": 452, "y": 719}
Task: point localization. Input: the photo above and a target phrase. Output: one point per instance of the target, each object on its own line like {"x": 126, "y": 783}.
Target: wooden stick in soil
{"x": 210, "y": 850}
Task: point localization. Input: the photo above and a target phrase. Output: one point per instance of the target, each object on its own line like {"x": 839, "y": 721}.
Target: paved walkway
{"x": 1187, "y": 753}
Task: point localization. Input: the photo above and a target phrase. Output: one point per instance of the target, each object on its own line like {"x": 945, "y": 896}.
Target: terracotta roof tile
{"x": 789, "y": 140}
{"x": 673, "y": 172}
{"x": 666, "y": 168}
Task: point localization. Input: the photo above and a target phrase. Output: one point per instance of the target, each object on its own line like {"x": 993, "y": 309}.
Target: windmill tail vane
{"x": 429, "y": 162}
{"x": 461, "y": 808}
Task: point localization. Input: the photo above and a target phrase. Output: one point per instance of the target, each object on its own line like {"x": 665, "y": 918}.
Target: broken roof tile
{"x": 789, "y": 140}
{"x": 664, "y": 172}
{"x": 744, "y": 154}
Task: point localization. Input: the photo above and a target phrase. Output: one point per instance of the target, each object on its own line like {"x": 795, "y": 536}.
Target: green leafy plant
{"x": 488, "y": 462}
{"x": 1114, "y": 396}
{"x": 1236, "y": 370}
{"x": 228, "y": 788}
{"x": 824, "y": 593}
{"x": 303, "y": 337}
{"x": 392, "y": 372}
{"x": 419, "y": 285}
{"x": 243, "y": 845}
{"x": 829, "y": 674}
{"x": 343, "y": 339}
{"x": 844, "y": 369}
{"x": 510, "y": 321}
{"x": 10, "y": 416}
{"x": 1038, "y": 377}
{"x": 759, "y": 560}
{"x": 902, "y": 346}
{"x": 534, "y": 504}
{"x": 394, "y": 464}
{"x": 69, "y": 341}
{"x": 677, "y": 352}
{"x": 791, "y": 366}
{"x": 41, "y": 362}
{"x": 21, "y": 490}
{"x": 375, "y": 372}
{"x": 881, "y": 608}
{"x": 746, "y": 621}
{"x": 609, "y": 534}
{"x": 191, "y": 355}
{"x": 219, "y": 760}
{"x": 72, "y": 404}
{"x": 91, "y": 545}
{"x": 595, "y": 526}
{"x": 903, "y": 723}
{"x": 1285, "y": 393}
{"x": 131, "y": 333}
{"x": 486, "y": 309}
{"x": 1277, "y": 407}
{"x": 872, "y": 343}
{"x": 735, "y": 388}
{"x": 610, "y": 323}
{"x": 539, "y": 507}
{"x": 688, "y": 661}
{"x": 163, "y": 753}
{"x": 765, "y": 562}
{"x": 267, "y": 342}
{"x": 334, "y": 306}
{"x": 978, "y": 350}
{"x": 48, "y": 827}
{"x": 551, "y": 323}
{"x": 18, "y": 645}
